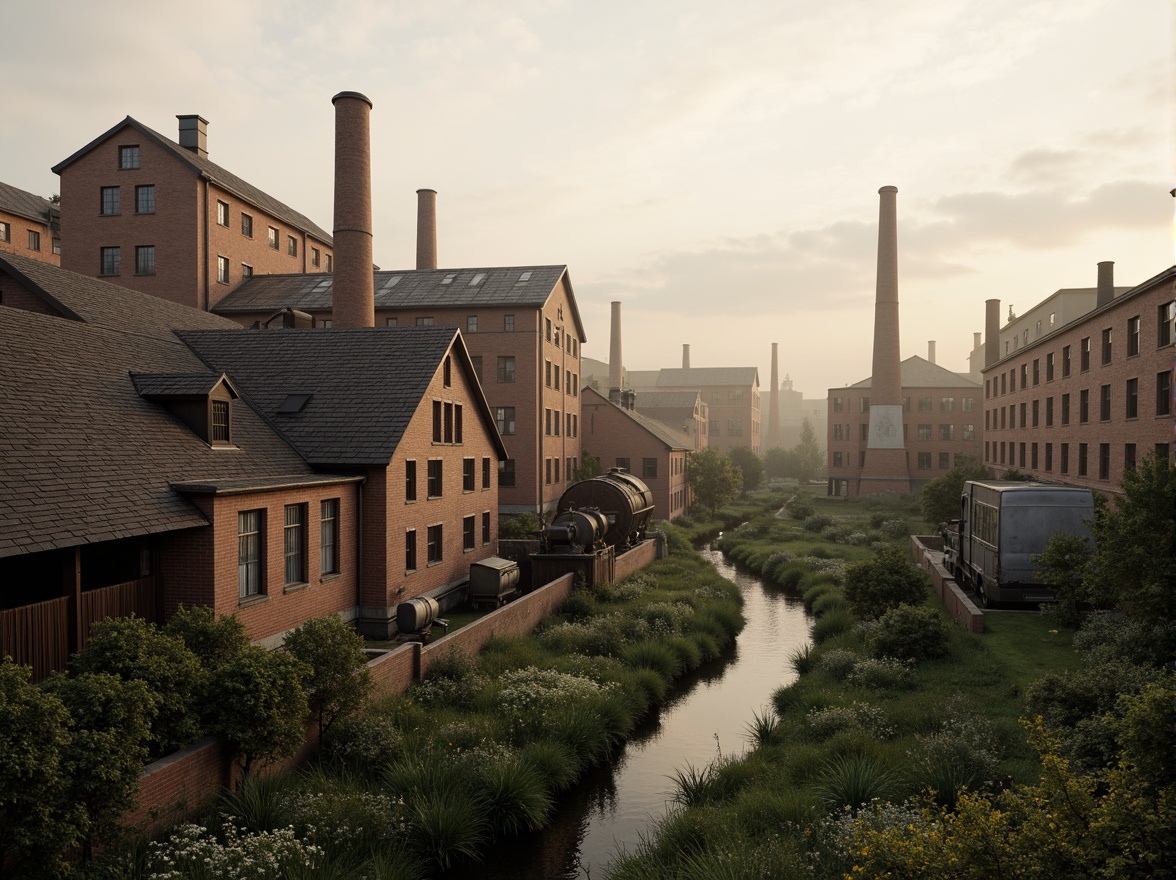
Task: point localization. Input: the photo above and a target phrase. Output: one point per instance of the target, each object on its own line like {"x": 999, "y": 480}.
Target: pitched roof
{"x": 688, "y": 377}
{"x": 489, "y": 287}
{"x": 917, "y": 372}
{"x": 26, "y": 204}
{"x": 355, "y": 416}
{"x": 670, "y": 437}
{"x": 213, "y": 172}
{"x": 162, "y": 386}
{"x": 84, "y": 458}
{"x": 666, "y": 399}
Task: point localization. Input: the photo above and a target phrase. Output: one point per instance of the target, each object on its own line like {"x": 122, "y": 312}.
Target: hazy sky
{"x": 712, "y": 165}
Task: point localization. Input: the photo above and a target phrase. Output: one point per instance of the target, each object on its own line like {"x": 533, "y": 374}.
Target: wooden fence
{"x": 37, "y": 635}
{"x": 138, "y": 597}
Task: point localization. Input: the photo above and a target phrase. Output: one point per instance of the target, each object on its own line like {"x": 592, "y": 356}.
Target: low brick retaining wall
{"x": 928, "y": 555}
{"x": 634, "y": 559}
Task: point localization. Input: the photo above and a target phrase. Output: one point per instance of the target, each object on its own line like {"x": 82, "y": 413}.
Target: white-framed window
{"x": 222, "y": 213}
{"x": 222, "y": 270}
{"x": 249, "y": 559}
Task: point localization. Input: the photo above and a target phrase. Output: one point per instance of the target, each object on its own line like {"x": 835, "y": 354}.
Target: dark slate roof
{"x": 673, "y": 439}
{"x": 666, "y": 399}
{"x": 699, "y": 377}
{"x": 210, "y": 170}
{"x": 408, "y": 289}
{"x": 165, "y": 385}
{"x": 25, "y": 204}
{"x": 366, "y": 384}
{"x": 917, "y": 372}
{"x": 84, "y": 458}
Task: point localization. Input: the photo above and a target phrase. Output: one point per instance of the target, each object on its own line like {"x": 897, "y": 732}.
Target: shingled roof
{"x": 26, "y": 204}
{"x": 673, "y": 439}
{"x": 917, "y": 372}
{"x": 686, "y": 377}
{"x": 84, "y": 458}
{"x": 210, "y": 171}
{"x": 491, "y": 287}
{"x": 354, "y": 415}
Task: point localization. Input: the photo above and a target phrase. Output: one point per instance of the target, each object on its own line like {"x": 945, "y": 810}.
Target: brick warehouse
{"x": 154, "y": 454}
{"x": 1084, "y": 402}
{"x": 29, "y": 225}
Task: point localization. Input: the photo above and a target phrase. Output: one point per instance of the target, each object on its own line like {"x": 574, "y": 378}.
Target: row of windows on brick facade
{"x": 922, "y": 432}
{"x": 552, "y": 334}
{"x": 435, "y": 482}
{"x": 923, "y": 460}
{"x": 648, "y": 467}
{"x": 734, "y": 428}
{"x": 33, "y": 240}
{"x": 1031, "y": 371}
{"x": 551, "y": 470}
{"x": 924, "y": 404}
{"x": 110, "y": 200}
{"x": 551, "y": 422}
{"x": 1013, "y": 454}
{"x": 1030, "y": 411}
{"x": 251, "y": 542}
{"x": 435, "y": 540}
{"x": 110, "y": 260}
{"x": 274, "y": 235}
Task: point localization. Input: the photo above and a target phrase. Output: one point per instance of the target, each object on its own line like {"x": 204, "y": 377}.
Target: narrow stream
{"x": 708, "y": 711}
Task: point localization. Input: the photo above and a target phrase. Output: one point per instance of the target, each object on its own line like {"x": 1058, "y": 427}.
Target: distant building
{"x": 158, "y": 216}
{"x": 794, "y": 409}
{"x": 730, "y": 393}
{"x": 29, "y": 225}
{"x": 684, "y": 412}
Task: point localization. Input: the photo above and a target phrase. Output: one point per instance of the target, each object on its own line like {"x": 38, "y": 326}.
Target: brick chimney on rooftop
{"x": 1106, "y": 283}
{"x": 354, "y": 283}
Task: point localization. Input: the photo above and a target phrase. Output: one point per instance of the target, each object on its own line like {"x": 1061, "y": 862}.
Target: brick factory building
{"x": 731, "y": 394}
{"x": 29, "y": 225}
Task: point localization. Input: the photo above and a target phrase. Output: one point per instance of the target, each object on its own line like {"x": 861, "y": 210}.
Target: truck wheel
{"x": 984, "y": 600}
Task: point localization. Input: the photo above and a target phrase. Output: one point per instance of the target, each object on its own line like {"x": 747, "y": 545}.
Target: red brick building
{"x": 159, "y": 217}
{"x": 1088, "y": 399}
{"x": 29, "y": 225}
{"x": 942, "y": 414}
{"x": 684, "y": 412}
{"x": 644, "y": 447}
{"x": 731, "y": 394}
{"x": 523, "y": 331}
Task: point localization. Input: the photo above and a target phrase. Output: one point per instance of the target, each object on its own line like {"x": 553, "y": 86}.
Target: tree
{"x": 779, "y": 462}
{"x": 1134, "y": 536}
{"x": 713, "y": 479}
{"x": 34, "y": 730}
{"x": 807, "y": 454}
{"x": 214, "y": 640}
{"x": 940, "y": 499}
{"x": 889, "y": 579}
{"x": 133, "y": 648}
{"x": 1064, "y": 564}
{"x": 589, "y": 467}
{"x": 750, "y": 465}
{"x": 262, "y": 708}
{"x": 338, "y": 681}
{"x": 111, "y": 728}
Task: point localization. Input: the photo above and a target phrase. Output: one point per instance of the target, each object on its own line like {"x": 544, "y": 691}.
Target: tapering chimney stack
{"x": 426, "y": 229}
{"x": 976, "y": 337}
{"x": 685, "y": 355}
{"x": 194, "y": 134}
{"x": 1106, "y": 283}
{"x": 991, "y": 332}
{"x": 773, "y": 440}
{"x": 353, "y": 294}
{"x": 931, "y": 350}
{"x": 615, "y": 372}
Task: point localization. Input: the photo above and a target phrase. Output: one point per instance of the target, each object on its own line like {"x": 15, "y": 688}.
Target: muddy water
{"x": 708, "y": 713}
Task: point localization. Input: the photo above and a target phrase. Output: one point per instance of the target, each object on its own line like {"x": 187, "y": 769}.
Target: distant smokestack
{"x": 685, "y": 355}
{"x": 194, "y": 134}
{"x": 1106, "y": 283}
{"x": 976, "y": 340}
{"x": 354, "y": 295}
{"x": 991, "y": 332}
{"x": 426, "y": 229}
{"x": 773, "y": 440}
{"x": 931, "y": 350}
{"x": 614, "y": 355}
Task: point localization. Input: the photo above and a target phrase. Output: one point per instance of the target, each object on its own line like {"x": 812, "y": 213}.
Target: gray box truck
{"x": 1002, "y": 525}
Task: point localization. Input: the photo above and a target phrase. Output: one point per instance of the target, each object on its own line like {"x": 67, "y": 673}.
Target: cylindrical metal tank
{"x": 416, "y": 614}
{"x": 621, "y": 497}
{"x": 493, "y": 578}
{"x": 587, "y": 524}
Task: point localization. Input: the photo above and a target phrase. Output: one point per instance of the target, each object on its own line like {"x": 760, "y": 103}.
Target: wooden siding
{"x": 138, "y": 597}
{"x": 37, "y": 635}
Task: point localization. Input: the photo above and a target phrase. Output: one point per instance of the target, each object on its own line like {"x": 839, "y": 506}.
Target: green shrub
{"x": 336, "y": 680}
{"x": 888, "y": 580}
{"x": 656, "y": 656}
{"x": 827, "y": 602}
{"x": 213, "y": 640}
{"x": 832, "y": 624}
{"x": 908, "y": 632}
{"x": 825, "y": 723}
{"x": 524, "y": 525}
{"x": 364, "y": 742}
{"x": 853, "y": 781}
{"x": 515, "y": 796}
{"x": 837, "y": 663}
{"x": 801, "y": 507}
{"x": 1112, "y": 637}
{"x": 818, "y": 522}
{"x": 881, "y": 673}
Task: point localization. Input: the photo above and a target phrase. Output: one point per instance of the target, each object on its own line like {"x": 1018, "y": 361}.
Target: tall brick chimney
{"x": 426, "y": 229}
{"x": 773, "y": 440}
{"x": 353, "y": 294}
{"x": 1106, "y": 283}
{"x": 194, "y": 134}
{"x": 685, "y": 355}
{"x": 615, "y": 372}
{"x": 931, "y": 350}
{"x": 885, "y": 468}
{"x": 991, "y": 332}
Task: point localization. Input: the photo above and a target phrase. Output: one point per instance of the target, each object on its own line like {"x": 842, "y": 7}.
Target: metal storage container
{"x": 493, "y": 579}
{"x": 621, "y": 497}
{"x": 416, "y": 614}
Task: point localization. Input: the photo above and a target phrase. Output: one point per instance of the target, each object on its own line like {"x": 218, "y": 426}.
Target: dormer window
{"x": 202, "y": 401}
{"x": 219, "y": 435}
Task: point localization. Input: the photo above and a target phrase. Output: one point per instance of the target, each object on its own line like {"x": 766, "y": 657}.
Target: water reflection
{"x": 707, "y": 712}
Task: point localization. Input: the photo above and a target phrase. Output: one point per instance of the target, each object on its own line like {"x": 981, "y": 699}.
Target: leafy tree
{"x": 713, "y": 479}
{"x": 111, "y": 727}
{"x": 1064, "y": 564}
{"x": 134, "y": 649}
{"x": 35, "y": 833}
{"x": 940, "y": 499}
{"x": 337, "y": 682}
{"x": 779, "y": 463}
{"x": 889, "y": 579}
{"x": 910, "y": 632}
{"x": 809, "y": 459}
{"x": 589, "y": 467}
{"x": 213, "y": 640}
{"x": 749, "y": 464}
{"x": 1134, "y": 536}
{"x": 524, "y": 525}
{"x": 261, "y": 710}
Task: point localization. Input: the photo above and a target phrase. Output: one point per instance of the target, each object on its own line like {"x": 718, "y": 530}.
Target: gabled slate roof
{"x": 84, "y": 458}
{"x": 673, "y": 439}
{"x": 492, "y": 287}
{"x": 365, "y": 384}
{"x": 213, "y": 172}
{"x": 917, "y": 372}
{"x": 25, "y": 204}
{"x": 162, "y": 386}
{"x": 666, "y": 399}
{"x": 682, "y": 377}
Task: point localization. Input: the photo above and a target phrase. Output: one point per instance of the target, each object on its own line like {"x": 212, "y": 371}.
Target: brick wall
{"x": 18, "y": 238}
{"x": 927, "y": 551}
{"x": 635, "y": 559}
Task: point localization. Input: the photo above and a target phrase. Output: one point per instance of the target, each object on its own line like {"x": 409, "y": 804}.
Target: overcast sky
{"x": 712, "y": 165}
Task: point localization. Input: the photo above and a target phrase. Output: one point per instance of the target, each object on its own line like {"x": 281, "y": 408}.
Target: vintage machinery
{"x": 493, "y": 580}
{"x": 624, "y": 502}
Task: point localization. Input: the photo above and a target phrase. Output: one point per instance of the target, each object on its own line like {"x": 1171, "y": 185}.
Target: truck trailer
{"x": 1002, "y": 525}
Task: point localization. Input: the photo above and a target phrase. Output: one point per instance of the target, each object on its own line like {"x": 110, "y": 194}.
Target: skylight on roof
{"x": 391, "y": 282}
{"x": 526, "y": 276}
{"x": 477, "y": 279}
{"x": 294, "y": 403}
{"x": 448, "y": 279}
{"x": 324, "y": 284}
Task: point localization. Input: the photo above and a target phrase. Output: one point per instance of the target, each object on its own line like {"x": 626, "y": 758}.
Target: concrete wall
{"x": 927, "y": 551}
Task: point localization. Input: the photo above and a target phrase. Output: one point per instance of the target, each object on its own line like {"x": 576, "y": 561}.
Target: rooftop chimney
{"x": 354, "y": 294}
{"x": 1106, "y": 283}
{"x": 773, "y": 440}
{"x": 426, "y": 229}
{"x": 931, "y": 350}
{"x": 614, "y": 355}
{"x": 991, "y": 332}
{"x": 685, "y": 355}
{"x": 194, "y": 134}
{"x": 976, "y": 340}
